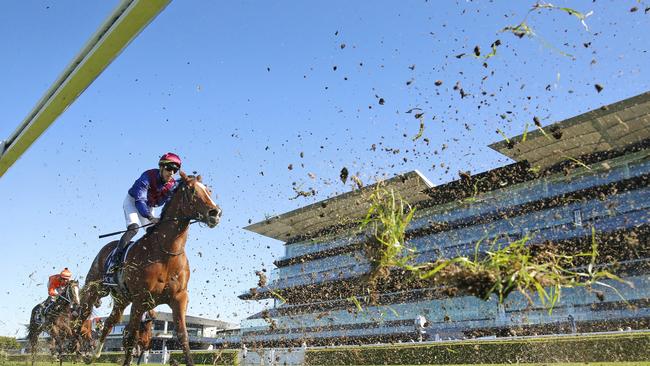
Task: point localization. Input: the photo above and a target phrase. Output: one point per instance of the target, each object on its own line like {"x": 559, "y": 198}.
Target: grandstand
{"x": 591, "y": 170}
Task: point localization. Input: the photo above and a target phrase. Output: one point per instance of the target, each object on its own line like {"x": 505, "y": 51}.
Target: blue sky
{"x": 241, "y": 90}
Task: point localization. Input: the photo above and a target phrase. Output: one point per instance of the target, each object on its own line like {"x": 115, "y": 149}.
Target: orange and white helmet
{"x": 66, "y": 274}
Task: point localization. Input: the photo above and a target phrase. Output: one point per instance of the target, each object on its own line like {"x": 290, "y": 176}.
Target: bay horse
{"x": 58, "y": 323}
{"x": 155, "y": 271}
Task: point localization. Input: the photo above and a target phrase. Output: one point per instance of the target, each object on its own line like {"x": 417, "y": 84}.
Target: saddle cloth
{"x": 113, "y": 259}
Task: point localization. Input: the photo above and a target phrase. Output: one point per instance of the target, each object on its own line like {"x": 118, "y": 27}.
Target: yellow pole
{"x": 120, "y": 28}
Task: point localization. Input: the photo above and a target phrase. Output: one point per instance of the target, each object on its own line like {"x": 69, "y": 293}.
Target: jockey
{"x": 154, "y": 188}
{"x": 55, "y": 286}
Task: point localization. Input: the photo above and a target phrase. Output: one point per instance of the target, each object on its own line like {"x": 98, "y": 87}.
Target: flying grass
{"x": 520, "y": 30}
{"x": 421, "y": 130}
{"x": 387, "y": 219}
{"x": 581, "y": 16}
{"x": 277, "y": 296}
{"x": 505, "y": 137}
{"x": 523, "y": 139}
{"x": 524, "y": 30}
{"x": 577, "y": 162}
{"x": 356, "y": 302}
{"x": 540, "y": 271}
{"x": 544, "y": 133}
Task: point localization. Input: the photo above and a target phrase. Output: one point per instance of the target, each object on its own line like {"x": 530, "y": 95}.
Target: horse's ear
{"x": 198, "y": 177}
{"x": 183, "y": 175}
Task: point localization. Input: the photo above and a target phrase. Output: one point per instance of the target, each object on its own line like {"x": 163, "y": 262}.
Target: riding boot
{"x": 132, "y": 229}
{"x": 45, "y": 307}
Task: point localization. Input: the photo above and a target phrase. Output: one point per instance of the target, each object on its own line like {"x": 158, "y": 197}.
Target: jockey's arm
{"x": 53, "y": 286}
{"x": 139, "y": 192}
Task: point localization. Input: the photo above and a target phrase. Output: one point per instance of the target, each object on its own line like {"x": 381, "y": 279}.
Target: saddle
{"x": 43, "y": 310}
{"x": 41, "y": 314}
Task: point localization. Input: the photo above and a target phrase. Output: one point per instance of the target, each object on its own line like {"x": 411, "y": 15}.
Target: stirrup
{"x": 109, "y": 277}
{"x": 109, "y": 280}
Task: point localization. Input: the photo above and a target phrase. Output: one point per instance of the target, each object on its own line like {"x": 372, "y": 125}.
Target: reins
{"x": 192, "y": 220}
{"x": 184, "y": 198}
{"x": 149, "y": 224}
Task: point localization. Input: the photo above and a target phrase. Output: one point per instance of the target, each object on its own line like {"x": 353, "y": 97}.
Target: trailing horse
{"x": 57, "y": 322}
{"x": 145, "y": 333}
{"x": 155, "y": 270}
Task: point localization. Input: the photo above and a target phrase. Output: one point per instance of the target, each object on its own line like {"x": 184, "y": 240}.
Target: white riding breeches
{"x": 131, "y": 214}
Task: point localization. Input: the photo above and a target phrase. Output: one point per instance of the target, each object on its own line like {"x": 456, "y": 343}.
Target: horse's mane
{"x": 181, "y": 184}
{"x": 179, "y": 188}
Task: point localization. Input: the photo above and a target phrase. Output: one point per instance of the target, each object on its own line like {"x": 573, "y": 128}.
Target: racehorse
{"x": 57, "y": 322}
{"x": 155, "y": 270}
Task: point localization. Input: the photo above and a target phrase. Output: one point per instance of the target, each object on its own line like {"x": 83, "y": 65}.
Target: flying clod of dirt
{"x": 262, "y": 282}
{"x": 465, "y": 175}
{"x": 266, "y": 315}
{"x": 344, "y": 175}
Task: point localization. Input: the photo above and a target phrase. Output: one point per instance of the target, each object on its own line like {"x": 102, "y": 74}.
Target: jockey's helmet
{"x": 66, "y": 274}
{"x": 170, "y": 159}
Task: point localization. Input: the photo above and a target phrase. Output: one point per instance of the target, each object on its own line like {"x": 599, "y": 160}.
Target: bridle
{"x": 187, "y": 200}
{"x": 199, "y": 217}
{"x": 67, "y": 294}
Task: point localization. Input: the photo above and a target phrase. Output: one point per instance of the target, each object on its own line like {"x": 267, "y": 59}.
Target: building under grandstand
{"x": 200, "y": 330}
{"x": 590, "y": 171}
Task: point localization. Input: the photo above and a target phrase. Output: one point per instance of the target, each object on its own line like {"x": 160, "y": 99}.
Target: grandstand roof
{"x": 340, "y": 210}
{"x": 610, "y": 127}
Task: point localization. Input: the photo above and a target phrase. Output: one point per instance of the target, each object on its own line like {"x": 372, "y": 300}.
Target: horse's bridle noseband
{"x": 189, "y": 198}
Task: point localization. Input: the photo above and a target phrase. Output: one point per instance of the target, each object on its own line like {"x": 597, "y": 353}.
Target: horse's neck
{"x": 62, "y": 299}
{"x": 171, "y": 235}
{"x": 60, "y": 305}
{"x": 171, "y": 232}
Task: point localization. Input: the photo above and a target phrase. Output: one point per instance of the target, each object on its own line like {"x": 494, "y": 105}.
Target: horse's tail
{"x": 33, "y": 330}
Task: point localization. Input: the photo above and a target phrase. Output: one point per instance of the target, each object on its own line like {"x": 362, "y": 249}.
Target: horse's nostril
{"x": 214, "y": 213}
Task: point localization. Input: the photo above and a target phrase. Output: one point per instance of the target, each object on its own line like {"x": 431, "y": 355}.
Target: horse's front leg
{"x": 61, "y": 348}
{"x": 114, "y": 318}
{"x": 130, "y": 333}
{"x": 179, "y": 307}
